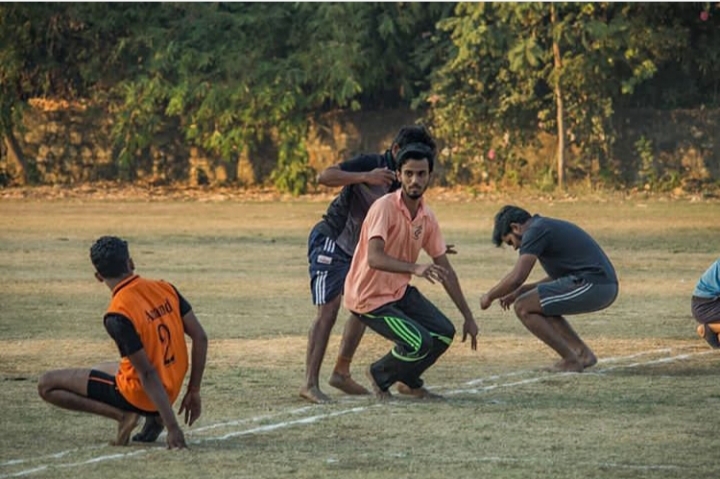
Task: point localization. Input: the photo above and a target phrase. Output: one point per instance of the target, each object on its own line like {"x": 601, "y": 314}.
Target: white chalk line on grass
{"x": 596, "y": 371}
{"x": 75, "y": 464}
{"x": 601, "y": 361}
{"x": 282, "y": 425}
{"x": 256, "y": 430}
{"x": 57, "y": 455}
{"x": 236, "y": 422}
{"x": 319, "y": 417}
{"x": 657, "y": 361}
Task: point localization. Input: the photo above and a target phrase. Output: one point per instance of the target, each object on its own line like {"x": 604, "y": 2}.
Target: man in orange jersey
{"x": 377, "y": 288}
{"x": 148, "y": 321}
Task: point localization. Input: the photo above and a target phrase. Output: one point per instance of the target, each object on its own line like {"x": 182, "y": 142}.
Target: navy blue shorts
{"x": 328, "y": 267}
{"x": 705, "y": 310}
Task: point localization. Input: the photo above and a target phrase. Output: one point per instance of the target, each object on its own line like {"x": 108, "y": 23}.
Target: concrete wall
{"x": 71, "y": 143}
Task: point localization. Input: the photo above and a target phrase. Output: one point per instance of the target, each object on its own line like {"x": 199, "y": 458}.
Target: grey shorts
{"x": 705, "y": 310}
{"x": 575, "y": 295}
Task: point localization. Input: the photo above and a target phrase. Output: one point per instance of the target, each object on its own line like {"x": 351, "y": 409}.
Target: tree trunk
{"x": 16, "y": 157}
{"x": 558, "y": 103}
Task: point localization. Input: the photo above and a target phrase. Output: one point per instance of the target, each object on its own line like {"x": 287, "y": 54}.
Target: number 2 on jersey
{"x": 164, "y": 334}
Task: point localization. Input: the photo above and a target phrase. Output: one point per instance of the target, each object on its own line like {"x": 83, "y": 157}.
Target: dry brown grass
{"x": 644, "y": 411}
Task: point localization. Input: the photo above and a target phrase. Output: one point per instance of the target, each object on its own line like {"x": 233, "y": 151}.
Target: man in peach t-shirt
{"x": 377, "y": 289}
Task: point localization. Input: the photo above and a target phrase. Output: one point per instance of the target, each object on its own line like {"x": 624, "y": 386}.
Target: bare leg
{"x": 341, "y": 378}
{"x": 67, "y": 388}
{"x": 109, "y": 367}
{"x": 529, "y": 311}
{"x": 125, "y": 428}
{"x": 563, "y": 328}
{"x": 317, "y": 344}
{"x": 420, "y": 393}
{"x": 153, "y": 424}
{"x": 709, "y": 332}
{"x": 379, "y": 393}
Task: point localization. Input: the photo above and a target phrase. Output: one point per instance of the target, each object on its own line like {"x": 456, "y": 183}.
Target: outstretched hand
{"x": 192, "y": 406}
{"x": 431, "y": 272}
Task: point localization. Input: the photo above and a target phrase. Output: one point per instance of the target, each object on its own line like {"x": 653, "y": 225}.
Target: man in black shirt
{"x": 580, "y": 279}
{"x": 331, "y": 245}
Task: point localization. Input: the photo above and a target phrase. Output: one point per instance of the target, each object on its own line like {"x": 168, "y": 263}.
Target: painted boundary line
{"x": 236, "y": 422}
{"x": 354, "y": 410}
{"x": 601, "y": 361}
{"x": 536, "y": 379}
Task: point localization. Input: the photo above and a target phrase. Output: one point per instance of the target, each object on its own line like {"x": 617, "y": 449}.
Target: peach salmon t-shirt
{"x": 366, "y": 289}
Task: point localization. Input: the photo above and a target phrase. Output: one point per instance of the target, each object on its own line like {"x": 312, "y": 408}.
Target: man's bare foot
{"x": 314, "y": 395}
{"x": 347, "y": 384}
{"x": 565, "y": 366}
{"x": 125, "y": 427}
{"x": 419, "y": 393}
{"x": 587, "y": 359}
{"x": 151, "y": 430}
{"x": 379, "y": 393}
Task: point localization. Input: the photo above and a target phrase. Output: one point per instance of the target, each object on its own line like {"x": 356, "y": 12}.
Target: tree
{"x": 517, "y": 69}
{"x": 50, "y": 49}
{"x": 227, "y": 77}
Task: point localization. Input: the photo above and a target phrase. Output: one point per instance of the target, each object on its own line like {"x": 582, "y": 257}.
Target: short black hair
{"x": 507, "y": 214}
{"x": 424, "y": 144}
{"x": 415, "y": 151}
{"x": 110, "y": 255}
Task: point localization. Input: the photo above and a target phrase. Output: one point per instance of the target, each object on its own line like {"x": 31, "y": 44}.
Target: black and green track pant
{"x": 421, "y": 334}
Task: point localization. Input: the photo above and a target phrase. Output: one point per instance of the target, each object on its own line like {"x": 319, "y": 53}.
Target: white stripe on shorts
{"x": 566, "y": 296}
{"x": 320, "y": 287}
{"x": 329, "y": 245}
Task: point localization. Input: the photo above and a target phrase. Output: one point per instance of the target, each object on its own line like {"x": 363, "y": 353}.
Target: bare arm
{"x": 509, "y": 299}
{"x": 335, "y": 176}
{"x": 191, "y": 403}
{"x": 453, "y": 289}
{"x": 378, "y": 259}
{"x": 154, "y": 389}
{"x": 512, "y": 281}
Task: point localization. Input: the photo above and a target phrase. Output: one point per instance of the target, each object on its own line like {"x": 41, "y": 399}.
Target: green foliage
{"x": 227, "y": 77}
{"x": 546, "y": 180}
{"x": 650, "y": 175}
{"x": 292, "y": 173}
{"x": 232, "y": 74}
{"x": 499, "y": 79}
{"x": 647, "y": 174}
{"x": 224, "y": 75}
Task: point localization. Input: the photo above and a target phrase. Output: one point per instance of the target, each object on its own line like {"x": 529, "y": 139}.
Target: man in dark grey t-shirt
{"x": 580, "y": 279}
{"x": 331, "y": 244}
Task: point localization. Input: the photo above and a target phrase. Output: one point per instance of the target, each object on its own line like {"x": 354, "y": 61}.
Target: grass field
{"x": 648, "y": 409}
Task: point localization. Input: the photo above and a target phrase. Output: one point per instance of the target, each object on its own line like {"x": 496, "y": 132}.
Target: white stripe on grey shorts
{"x": 566, "y": 296}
